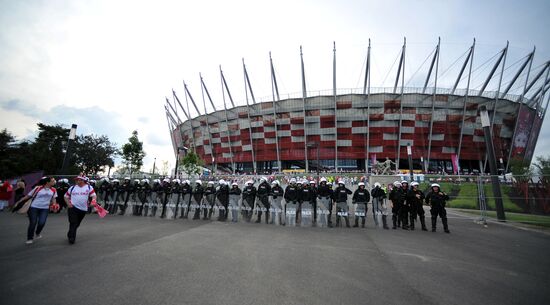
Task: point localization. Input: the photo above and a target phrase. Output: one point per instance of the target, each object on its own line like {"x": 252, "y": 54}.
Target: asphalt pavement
{"x": 140, "y": 260}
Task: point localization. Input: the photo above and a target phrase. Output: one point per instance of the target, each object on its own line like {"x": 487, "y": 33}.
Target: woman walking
{"x": 77, "y": 198}
{"x": 43, "y": 197}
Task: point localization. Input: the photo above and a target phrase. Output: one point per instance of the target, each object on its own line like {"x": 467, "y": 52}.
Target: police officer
{"x": 306, "y": 196}
{"x": 405, "y": 205}
{"x": 234, "y": 196}
{"x": 210, "y": 198}
{"x": 249, "y": 196}
{"x": 263, "y": 199}
{"x": 416, "y": 199}
{"x": 197, "y": 198}
{"x": 186, "y": 192}
{"x": 126, "y": 190}
{"x": 378, "y": 205}
{"x": 276, "y": 195}
{"x": 103, "y": 192}
{"x": 222, "y": 194}
{"x": 324, "y": 196}
{"x": 156, "y": 197}
{"x": 144, "y": 194}
{"x": 341, "y": 198}
{"x": 360, "y": 198}
{"x": 437, "y": 201}
{"x": 396, "y": 204}
{"x": 115, "y": 195}
{"x": 313, "y": 200}
{"x": 166, "y": 193}
{"x": 176, "y": 197}
{"x": 292, "y": 196}
{"x": 61, "y": 189}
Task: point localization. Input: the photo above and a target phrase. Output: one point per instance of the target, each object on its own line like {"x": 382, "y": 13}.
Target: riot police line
{"x": 301, "y": 203}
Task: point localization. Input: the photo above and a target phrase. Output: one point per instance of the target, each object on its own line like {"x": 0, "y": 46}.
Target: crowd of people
{"x": 301, "y": 203}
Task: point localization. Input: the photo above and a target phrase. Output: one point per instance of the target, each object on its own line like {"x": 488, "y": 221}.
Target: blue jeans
{"x": 37, "y": 220}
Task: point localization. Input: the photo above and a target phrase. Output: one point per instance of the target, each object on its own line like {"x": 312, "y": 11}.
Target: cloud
{"x": 143, "y": 120}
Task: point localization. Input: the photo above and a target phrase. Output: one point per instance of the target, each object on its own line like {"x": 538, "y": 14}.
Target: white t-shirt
{"x": 43, "y": 197}
{"x": 79, "y": 196}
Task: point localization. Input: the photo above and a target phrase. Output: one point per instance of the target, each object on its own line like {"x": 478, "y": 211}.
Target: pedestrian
{"x": 248, "y": 199}
{"x": 222, "y": 194}
{"x": 405, "y": 205}
{"x": 437, "y": 201}
{"x": 5, "y": 194}
{"x": 43, "y": 196}
{"x": 292, "y": 196}
{"x": 78, "y": 199}
{"x": 62, "y": 187}
{"x": 324, "y": 196}
{"x": 263, "y": 199}
{"x": 197, "y": 199}
{"x": 19, "y": 190}
{"x": 378, "y": 205}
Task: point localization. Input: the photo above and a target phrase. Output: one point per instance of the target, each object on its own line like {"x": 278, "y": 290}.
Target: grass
{"x": 536, "y": 220}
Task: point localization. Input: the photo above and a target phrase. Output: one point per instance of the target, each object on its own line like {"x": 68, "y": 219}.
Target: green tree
{"x": 191, "y": 164}
{"x": 7, "y": 154}
{"x": 133, "y": 154}
{"x": 93, "y": 153}
{"x": 48, "y": 149}
{"x": 543, "y": 167}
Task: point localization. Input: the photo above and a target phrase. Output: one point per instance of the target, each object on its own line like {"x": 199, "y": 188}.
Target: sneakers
{"x": 29, "y": 242}
{"x": 71, "y": 241}
{"x": 38, "y": 236}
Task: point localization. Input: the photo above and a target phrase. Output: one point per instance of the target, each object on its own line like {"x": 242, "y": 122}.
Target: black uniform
{"x": 313, "y": 201}
{"x": 340, "y": 196}
{"x": 166, "y": 190}
{"x": 104, "y": 190}
{"x": 222, "y": 195}
{"x": 198, "y": 193}
{"x": 249, "y": 196}
{"x": 184, "y": 204}
{"x": 210, "y": 197}
{"x": 263, "y": 196}
{"x": 361, "y": 196}
{"x": 144, "y": 194}
{"x": 405, "y": 207}
{"x": 437, "y": 202}
{"x": 61, "y": 190}
{"x": 416, "y": 198}
{"x": 396, "y": 200}
{"x": 325, "y": 191}
{"x": 156, "y": 193}
{"x": 378, "y": 195}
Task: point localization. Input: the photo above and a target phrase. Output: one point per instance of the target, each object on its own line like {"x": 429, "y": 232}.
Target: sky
{"x": 108, "y": 65}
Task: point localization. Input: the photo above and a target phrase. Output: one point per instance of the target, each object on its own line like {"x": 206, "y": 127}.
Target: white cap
{"x": 397, "y": 183}
{"x": 166, "y": 180}
{"x": 341, "y": 181}
{"x": 404, "y": 181}
{"x": 210, "y": 182}
{"x": 292, "y": 180}
{"x": 187, "y": 182}
{"x": 115, "y": 180}
{"x": 221, "y": 182}
{"x": 136, "y": 180}
{"x": 377, "y": 184}
{"x": 156, "y": 181}
{"x": 235, "y": 183}
{"x": 176, "y": 180}
{"x": 414, "y": 183}
{"x": 263, "y": 179}
{"x": 92, "y": 181}
{"x": 361, "y": 184}
{"x": 323, "y": 179}
{"x": 275, "y": 182}
{"x": 312, "y": 182}
{"x": 249, "y": 182}
{"x": 102, "y": 179}
{"x": 435, "y": 184}
{"x": 126, "y": 178}
{"x": 198, "y": 182}
{"x": 145, "y": 181}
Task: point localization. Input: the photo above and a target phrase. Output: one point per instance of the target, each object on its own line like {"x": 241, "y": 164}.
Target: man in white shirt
{"x": 77, "y": 198}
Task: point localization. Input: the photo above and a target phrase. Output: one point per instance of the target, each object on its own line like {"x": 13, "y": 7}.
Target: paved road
{"x": 133, "y": 260}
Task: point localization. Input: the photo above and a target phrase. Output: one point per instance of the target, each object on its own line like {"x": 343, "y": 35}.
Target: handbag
{"x": 25, "y": 208}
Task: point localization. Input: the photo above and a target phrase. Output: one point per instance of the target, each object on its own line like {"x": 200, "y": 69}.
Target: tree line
{"x": 91, "y": 154}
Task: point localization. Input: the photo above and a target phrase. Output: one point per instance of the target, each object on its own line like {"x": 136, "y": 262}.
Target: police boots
{"x": 356, "y": 222}
{"x": 394, "y": 219}
{"x": 445, "y": 226}
{"x": 434, "y": 222}
{"x": 412, "y": 223}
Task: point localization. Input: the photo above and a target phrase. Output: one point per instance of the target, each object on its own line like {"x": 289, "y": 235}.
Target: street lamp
{"x": 154, "y": 163}
{"x": 486, "y": 124}
{"x": 72, "y": 136}
{"x": 316, "y": 145}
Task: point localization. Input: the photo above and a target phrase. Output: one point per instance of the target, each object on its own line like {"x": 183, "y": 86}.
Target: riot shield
{"x": 184, "y": 205}
{"x": 234, "y": 207}
{"x": 323, "y": 206}
{"x": 247, "y": 210}
{"x": 341, "y": 212}
{"x": 153, "y": 204}
{"x": 290, "y": 213}
{"x": 115, "y": 198}
{"x": 276, "y": 210}
{"x": 160, "y": 205}
{"x": 307, "y": 214}
{"x": 360, "y": 210}
{"x": 195, "y": 208}
{"x": 170, "y": 206}
{"x": 131, "y": 204}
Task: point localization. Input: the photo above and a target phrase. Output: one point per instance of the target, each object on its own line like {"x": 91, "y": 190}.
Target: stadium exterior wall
{"x": 439, "y": 127}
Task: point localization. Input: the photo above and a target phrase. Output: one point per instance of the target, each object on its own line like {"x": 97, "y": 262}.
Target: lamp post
{"x": 409, "y": 155}
{"x": 486, "y": 124}
{"x": 316, "y": 145}
{"x": 154, "y": 163}
{"x": 72, "y": 136}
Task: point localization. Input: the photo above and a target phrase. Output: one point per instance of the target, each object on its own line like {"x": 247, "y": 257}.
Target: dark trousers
{"x": 37, "y": 221}
{"x": 75, "y": 218}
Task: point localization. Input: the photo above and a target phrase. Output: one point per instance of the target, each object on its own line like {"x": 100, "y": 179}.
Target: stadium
{"x": 353, "y": 129}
